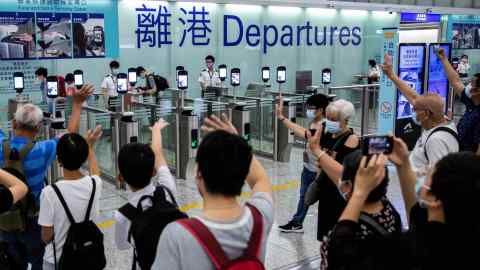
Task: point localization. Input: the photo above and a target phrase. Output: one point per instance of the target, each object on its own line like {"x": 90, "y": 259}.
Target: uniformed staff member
{"x": 209, "y": 76}
{"x": 109, "y": 85}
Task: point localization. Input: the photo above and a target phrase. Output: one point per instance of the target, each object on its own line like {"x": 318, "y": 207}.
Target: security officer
{"x": 209, "y": 76}
{"x": 109, "y": 85}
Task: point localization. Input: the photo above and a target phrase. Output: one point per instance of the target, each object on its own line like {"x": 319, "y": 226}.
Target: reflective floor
{"x": 285, "y": 251}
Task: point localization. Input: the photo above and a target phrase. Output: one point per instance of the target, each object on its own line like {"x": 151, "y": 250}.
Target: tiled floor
{"x": 285, "y": 251}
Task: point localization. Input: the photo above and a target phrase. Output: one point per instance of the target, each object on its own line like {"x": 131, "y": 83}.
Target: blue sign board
{"x": 437, "y": 77}
{"x": 407, "y": 17}
{"x": 386, "y": 99}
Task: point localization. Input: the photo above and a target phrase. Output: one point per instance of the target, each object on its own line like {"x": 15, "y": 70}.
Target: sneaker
{"x": 291, "y": 228}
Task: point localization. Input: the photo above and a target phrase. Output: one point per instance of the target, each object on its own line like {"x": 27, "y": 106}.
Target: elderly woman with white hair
{"x": 331, "y": 148}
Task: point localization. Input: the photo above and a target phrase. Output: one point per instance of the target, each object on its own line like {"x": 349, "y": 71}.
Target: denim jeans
{"x": 26, "y": 247}
{"x": 307, "y": 178}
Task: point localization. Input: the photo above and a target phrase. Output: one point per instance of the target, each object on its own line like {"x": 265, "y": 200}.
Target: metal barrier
{"x": 366, "y": 103}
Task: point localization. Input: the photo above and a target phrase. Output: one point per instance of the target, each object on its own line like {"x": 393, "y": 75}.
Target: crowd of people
{"x": 53, "y": 226}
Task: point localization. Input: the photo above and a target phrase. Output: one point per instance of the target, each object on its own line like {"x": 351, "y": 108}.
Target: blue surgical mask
{"x": 332, "y": 126}
{"x": 415, "y": 120}
{"x": 114, "y": 71}
{"x": 310, "y": 114}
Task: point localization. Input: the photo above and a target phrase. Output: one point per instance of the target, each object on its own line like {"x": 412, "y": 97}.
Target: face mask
{"x": 332, "y": 126}
{"x": 310, "y": 114}
{"x": 415, "y": 120}
{"x": 114, "y": 71}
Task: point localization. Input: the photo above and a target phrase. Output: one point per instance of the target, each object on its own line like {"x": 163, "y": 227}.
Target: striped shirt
{"x": 36, "y": 163}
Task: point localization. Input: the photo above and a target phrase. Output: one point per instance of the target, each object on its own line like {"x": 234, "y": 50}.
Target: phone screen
{"x": 52, "y": 89}
{"x": 266, "y": 75}
{"x": 122, "y": 85}
{"x": 18, "y": 82}
{"x": 281, "y": 76}
{"x": 98, "y": 36}
{"x": 182, "y": 81}
{"x": 379, "y": 145}
{"x": 235, "y": 78}
{"x": 223, "y": 73}
{"x": 78, "y": 79}
{"x": 132, "y": 77}
{"x": 326, "y": 77}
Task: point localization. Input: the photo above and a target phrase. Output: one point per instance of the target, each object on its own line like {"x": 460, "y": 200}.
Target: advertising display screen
{"x": 411, "y": 69}
{"x": 437, "y": 78}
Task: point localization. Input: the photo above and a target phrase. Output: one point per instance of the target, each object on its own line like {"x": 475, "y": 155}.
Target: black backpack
{"x": 14, "y": 220}
{"x": 160, "y": 83}
{"x": 83, "y": 248}
{"x": 147, "y": 225}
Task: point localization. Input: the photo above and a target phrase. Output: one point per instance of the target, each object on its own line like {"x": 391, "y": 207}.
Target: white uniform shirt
{"x": 210, "y": 78}
{"x": 110, "y": 83}
{"x": 374, "y": 71}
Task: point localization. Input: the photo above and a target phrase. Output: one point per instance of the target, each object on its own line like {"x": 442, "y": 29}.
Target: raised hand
{"x": 370, "y": 175}
{"x": 159, "y": 125}
{"x": 441, "y": 54}
{"x": 213, "y": 123}
{"x": 387, "y": 66}
{"x": 81, "y": 96}
{"x": 399, "y": 155}
{"x": 314, "y": 142}
{"x": 93, "y": 136}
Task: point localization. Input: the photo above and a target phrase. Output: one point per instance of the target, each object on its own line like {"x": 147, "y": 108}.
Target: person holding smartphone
{"x": 316, "y": 106}
{"x": 209, "y": 76}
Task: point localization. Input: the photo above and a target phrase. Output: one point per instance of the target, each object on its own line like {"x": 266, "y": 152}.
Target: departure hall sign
{"x": 154, "y": 29}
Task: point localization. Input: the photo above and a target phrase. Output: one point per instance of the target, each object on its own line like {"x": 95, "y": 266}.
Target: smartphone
{"x": 52, "y": 86}
{"x": 78, "y": 78}
{"x": 18, "y": 82}
{"x": 182, "y": 80}
{"x": 98, "y": 34}
{"x": 377, "y": 144}
{"x": 326, "y": 76}
{"x": 265, "y": 74}
{"x": 281, "y": 74}
{"x": 223, "y": 72}
{"x": 132, "y": 76}
{"x": 122, "y": 83}
{"x": 177, "y": 69}
{"x": 247, "y": 132}
{"x": 235, "y": 76}
{"x": 194, "y": 137}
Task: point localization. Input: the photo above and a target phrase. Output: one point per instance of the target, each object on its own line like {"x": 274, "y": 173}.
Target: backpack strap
{"x": 64, "y": 204}
{"x": 255, "y": 242}
{"x": 211, "y": 246}
{"x": 444, "y": 129}
{"x": 373, "y": 224}
{"x": 161, "y": 188}
{"x": 25, "y": 150}
{"x": 207, "y": 240}
{"x": 92, "y": 197}
{"x": 6, "y": 151}
{"x": 129, "y": 211}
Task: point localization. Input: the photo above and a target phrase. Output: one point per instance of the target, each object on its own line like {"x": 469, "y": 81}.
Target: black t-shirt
{"x": 6, "y": 199}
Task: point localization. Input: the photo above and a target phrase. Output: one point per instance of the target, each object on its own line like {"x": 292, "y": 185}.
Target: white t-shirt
{"x": 374, "y": 71}
{"x": 109, "y": 83}
{"x": 440, "y": 144}
{"x": 77, "y": 195}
